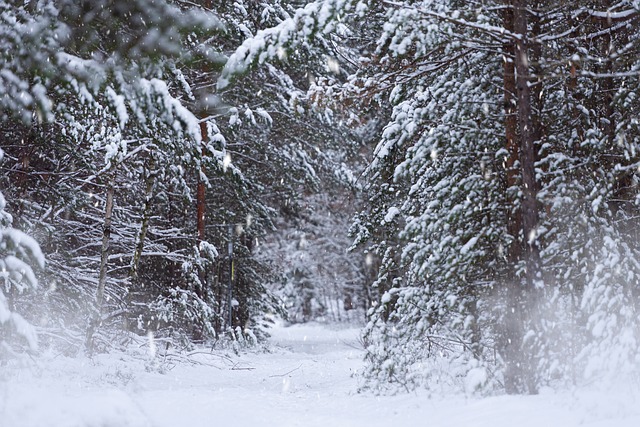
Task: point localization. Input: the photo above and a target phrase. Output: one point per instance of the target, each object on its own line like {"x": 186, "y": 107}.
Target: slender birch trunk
{"x": 95, "y": 321}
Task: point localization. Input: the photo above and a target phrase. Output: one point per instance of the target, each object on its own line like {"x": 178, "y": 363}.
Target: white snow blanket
{"x": 308, "y": 379}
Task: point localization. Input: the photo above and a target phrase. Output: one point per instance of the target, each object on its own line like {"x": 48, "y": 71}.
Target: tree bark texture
{"x": 201, "y": 187}
{"x": 523, "y": 215}
{"x": 512, "y": 164}
{"x": 527, "y": 146}
{"x": 102, "y": 277}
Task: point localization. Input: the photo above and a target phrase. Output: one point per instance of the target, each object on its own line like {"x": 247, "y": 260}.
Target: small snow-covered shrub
{"x": 191, "y": 310}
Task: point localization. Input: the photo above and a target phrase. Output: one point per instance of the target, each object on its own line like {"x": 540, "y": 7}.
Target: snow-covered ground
{"x": 306, "y": 380}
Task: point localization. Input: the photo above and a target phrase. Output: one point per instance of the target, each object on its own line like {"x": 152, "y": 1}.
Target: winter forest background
{"x": 460, "y": 176}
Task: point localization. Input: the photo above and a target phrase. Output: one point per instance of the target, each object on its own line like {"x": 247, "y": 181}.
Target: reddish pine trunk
{"x": 522, "y": 223}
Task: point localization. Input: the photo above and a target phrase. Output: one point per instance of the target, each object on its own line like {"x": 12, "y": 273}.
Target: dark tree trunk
{"x": 201, "y": 186}
{"x": 509, "y": 327}
{"x": 200, "y": 221}
{"x": 514, "y": 214}
{"x": 527, "y": 145}
{"x": 522, "y": 218}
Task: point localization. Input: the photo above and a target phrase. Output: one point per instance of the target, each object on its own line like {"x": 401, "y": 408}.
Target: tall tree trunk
{"x": 527, "y": 144}
{"x": 201, "y": 202}
{"x": 134, "y": 274}
{"x": 96, "y": 317}
{"x": 530, "y": 189}
{"x": 522, "y": 219}
{"x": 514, "y": 214}
{"x": 536, "y": 85}
{"x": 511, "y": 321}
{"x": 201, "y": 186}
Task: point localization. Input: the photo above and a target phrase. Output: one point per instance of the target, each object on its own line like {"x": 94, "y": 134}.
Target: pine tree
{"x": 501, "y": 174}
{"x": 18, "y": 251}
{"x": 115, "y": 133}
{"x": 86, "y": 110}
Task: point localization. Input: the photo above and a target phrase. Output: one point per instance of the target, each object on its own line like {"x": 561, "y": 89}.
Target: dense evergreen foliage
{"x": 135, "y": 174}
{"x": 179, "y": 162}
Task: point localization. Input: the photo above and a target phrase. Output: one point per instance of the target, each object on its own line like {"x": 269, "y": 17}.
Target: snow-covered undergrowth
{"x": 308, "y": 377}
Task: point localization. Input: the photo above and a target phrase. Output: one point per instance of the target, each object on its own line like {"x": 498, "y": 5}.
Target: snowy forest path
{"x": 304, "y": 380}
{"x": 308, "y": 378}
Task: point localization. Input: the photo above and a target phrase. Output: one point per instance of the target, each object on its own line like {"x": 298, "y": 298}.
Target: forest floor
{"x": 308, "y": 377}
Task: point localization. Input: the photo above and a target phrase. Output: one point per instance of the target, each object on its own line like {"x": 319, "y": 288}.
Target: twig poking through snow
{"x": 286, "y": 373}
